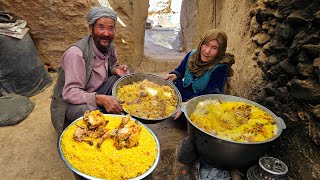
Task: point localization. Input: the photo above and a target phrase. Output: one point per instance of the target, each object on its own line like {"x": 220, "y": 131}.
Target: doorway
{"x": 163, "y": 39}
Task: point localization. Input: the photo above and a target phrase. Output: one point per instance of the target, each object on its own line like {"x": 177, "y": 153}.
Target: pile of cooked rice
{"x": 147, "y": 99}
{"x": 107, "y": 162}
{"x": 235, "y": 121}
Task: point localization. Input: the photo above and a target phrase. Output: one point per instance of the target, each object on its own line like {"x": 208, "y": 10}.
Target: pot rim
{"x": 95, "y": 178}
{"x": 128, "y": 76}
{"x": 229, "y": 98}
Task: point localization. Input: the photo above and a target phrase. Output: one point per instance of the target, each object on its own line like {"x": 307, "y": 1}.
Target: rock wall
{"x": 276, "y": 45}
{"x": 287, "y": 37}
{"x": 197, "y": 18}
{"x": 54, "y": 25}
{"x": 233, "y": 19}
{"x": 57, "y": 24}
{"x": 130, "y": 38}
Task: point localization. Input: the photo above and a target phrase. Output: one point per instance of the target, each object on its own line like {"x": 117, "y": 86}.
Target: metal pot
{"x": 86, "y": 176}
{"x": 227, "y": 153}
{"x": 136, "y": 77}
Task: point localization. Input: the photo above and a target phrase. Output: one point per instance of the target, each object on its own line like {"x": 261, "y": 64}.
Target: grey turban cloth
{"x": 99, "y": 12}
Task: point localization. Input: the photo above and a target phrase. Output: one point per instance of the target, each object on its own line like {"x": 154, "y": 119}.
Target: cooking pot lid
{"x": 273, "y": 165}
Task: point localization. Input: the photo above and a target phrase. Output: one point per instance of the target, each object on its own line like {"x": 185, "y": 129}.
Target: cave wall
{"x": 130, "y": 38}
{"x": 287, "y": 36}
{"x": 196, "y": 18}
{"x": 233, "y": 19}
{"x": 276, "y": 46}
{"x": 57, "y": 24}
{"x": 54, "y": 25}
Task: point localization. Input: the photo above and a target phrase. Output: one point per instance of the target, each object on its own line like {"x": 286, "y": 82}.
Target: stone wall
{"x": 130, "y": 38}
{"x": 287, "y": 36}
{"x": 54, "y": 25}
{"x": 276, "y": 45}
{"x": 57, "y": 24}
{"x": 233, "y": 18}
{"x": 197, "y": 18}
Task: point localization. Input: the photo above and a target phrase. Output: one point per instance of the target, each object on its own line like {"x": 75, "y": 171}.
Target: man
{"x": 88, "y": 72}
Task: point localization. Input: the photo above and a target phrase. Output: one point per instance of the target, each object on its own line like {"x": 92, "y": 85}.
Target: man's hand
{"x": 110, "y": 103}
{"x": 121, "y": 70}
{"x": 171, "y": 77}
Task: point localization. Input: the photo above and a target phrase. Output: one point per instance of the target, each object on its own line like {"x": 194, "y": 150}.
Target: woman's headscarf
{"x": 197, "y": 67}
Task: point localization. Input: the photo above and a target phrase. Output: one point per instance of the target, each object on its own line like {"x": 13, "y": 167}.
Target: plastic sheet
{"x": 21, "y": 70}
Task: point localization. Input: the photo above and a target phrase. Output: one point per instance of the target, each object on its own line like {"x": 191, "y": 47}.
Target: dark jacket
{"x": 215, "y": 85}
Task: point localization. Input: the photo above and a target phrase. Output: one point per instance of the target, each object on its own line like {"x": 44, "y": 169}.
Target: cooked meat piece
{"x": 80, "y": 134}
{"x": 94, "y": 119}
{"x": 127, "y": 135}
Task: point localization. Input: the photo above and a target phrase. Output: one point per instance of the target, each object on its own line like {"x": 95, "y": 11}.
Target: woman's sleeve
{"x": 180, "y": 70}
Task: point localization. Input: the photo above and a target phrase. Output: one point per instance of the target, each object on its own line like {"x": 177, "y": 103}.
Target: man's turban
{"x": 99, "y": 12}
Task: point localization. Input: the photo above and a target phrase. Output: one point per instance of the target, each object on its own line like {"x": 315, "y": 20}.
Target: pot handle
{"x": 282, "y": 124}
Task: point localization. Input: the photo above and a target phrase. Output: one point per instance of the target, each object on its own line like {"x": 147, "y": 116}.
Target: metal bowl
{"x": 95, "y": 178}
{"x": 222, "y": 152}
{"x": 136, "y": 77}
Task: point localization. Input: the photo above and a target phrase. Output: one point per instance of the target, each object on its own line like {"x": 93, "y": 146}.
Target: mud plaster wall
{"x": 57, "y": 24}
{"x": 233, "y": 18}
{"x": 54, "y": 25}
{"x": 130, "y": 39}
{"x": 198, "y": 17}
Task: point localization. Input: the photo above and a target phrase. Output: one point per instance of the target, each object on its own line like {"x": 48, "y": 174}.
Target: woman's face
{"x": 209, "y": 50}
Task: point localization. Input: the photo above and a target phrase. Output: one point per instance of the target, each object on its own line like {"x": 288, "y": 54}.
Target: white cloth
{"x": 15, "y": 27}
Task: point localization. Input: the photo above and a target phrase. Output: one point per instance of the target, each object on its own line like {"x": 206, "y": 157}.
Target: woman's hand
{"x": 111, "y": 104}
{"x": 171, "y": 77}
{"x": 121, "y": 70}
{"x": 179, "y": 112}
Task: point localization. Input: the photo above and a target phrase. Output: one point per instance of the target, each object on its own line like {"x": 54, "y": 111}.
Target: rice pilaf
{"x": 147, "y": 99}
{"x": 107, "y": 162}
{"x": 236, "y": 121}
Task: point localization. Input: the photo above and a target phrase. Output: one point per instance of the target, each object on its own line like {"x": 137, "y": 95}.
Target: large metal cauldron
{"x": 227, "y": 153}
{"x": 137, "y": 77}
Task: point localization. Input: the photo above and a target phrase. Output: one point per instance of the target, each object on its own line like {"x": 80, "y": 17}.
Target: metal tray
{"x": 95, "y": 178}
{"x": 136, "y": 77}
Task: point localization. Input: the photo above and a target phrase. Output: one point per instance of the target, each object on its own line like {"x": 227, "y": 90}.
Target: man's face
{"x": 103, "y": 31}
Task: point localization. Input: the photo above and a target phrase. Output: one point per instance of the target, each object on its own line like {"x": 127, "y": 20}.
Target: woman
{"x": 204, "y": 70}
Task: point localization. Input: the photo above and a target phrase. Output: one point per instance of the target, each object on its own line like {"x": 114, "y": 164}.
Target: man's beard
{"x": 101, "y": 48}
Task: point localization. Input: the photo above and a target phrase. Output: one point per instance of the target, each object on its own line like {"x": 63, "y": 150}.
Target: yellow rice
{"x": 108, "y": 162}
{"x": 219, "y": 119}
{"x": 160, "y": 102}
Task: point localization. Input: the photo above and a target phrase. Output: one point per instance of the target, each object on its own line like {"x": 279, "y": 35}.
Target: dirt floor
{"x": 29, "y": 149}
